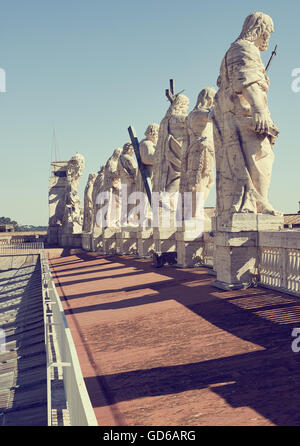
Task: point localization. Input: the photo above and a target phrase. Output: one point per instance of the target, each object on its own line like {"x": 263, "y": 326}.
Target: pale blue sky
{"x": 94, "y": 67}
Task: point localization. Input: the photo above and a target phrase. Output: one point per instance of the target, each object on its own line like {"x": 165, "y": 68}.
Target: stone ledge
{"x": 164, "y": 234}
{"x": 247, "y": 222}
{"x": 282, "y": 239}
{"x": 236, "y": 239}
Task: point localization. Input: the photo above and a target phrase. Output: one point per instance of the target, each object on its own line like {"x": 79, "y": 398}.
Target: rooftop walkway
{"x": 162, "y": 347}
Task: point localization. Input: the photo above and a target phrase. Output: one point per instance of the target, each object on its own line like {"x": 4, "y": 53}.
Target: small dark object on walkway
{"x": 159, "y": 260}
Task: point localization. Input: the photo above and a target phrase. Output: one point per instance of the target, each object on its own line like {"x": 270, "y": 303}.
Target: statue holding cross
{"x": 169, "y": 144}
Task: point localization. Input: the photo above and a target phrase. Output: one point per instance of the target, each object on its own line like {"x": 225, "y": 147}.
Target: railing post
{"x": 283, "y": 267}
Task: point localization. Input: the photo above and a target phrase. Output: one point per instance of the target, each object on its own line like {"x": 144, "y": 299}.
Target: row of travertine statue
{"x": 179, "y": 157}
{"x": 229, "y": 130}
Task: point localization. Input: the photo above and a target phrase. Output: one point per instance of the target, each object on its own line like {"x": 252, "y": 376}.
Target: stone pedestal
{"x": 236, "y": 247}
{"x": 190, "y": 242}
{"x": 52, "y": 235}
{"x": 109, "y": 241}
{"x": 145, "y": 242}
{"x": 189, "y": 250}
{"x": 97, "y": 244}
{"x": 70, "y": 240}
{"x": 86, "y": 240}
{"x": 127, "y": 242}
{"x": 97, "y": 239}
{"x": 164, "y": 239}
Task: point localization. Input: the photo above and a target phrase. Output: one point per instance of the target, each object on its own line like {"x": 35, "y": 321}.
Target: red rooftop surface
{"x": 161, "y": 347}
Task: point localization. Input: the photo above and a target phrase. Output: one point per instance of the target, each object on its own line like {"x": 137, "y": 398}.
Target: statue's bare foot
{"x": 275, "y": 212}
{"x": 267, "y": 208}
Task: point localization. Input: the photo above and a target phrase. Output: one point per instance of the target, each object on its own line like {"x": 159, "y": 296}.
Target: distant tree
{"x": 21, "y": 228}
{"x": 7, "y": 221}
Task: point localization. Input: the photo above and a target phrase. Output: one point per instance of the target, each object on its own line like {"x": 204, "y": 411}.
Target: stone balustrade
{"x": 278, "y": 257}
{"x": 279, "y": 261}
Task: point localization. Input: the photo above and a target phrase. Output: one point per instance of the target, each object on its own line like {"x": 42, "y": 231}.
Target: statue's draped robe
{"x": 97, "y": 188}
{"x": 127, "y": 169}
{"x": 169, "y": 145}
{"x": 88, "y": 207}
{"x": 73, "y": 213}
{"x": 198, "y": 158}
{"x": 111, "y": 186}
{"x": 148, "y": 154}
{"x": 243, "y": 157}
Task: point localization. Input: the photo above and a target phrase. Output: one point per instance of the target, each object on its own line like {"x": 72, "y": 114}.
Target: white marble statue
{"x": 198, "y": 157}
{"x": 169, "y": 146}
{"x": 148, "y": 150}
{"x": 112, "y": 186}
{"x": 98, "y": 187}
{"x": 111, "y": 174}
{"x": 147, "y": 154}
{"x": 128, "y": 171}
{"x": 88, "y": 204}
{"x": 73, "y": 215}
{"x": 244, "y": 134}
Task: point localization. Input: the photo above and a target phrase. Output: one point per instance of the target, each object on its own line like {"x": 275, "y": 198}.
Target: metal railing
{"x": 21, "y": 248}
{"x": 63, "y": 356}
